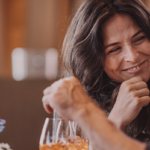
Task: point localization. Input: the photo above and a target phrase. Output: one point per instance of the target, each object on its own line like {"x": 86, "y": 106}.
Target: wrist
{"x": 118, "y": 123}
{"x": 83, "y": 111}
{"x": 88, "y": 115}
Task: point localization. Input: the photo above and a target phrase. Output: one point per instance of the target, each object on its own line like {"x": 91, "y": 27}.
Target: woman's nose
{"x": 131, "y": 54}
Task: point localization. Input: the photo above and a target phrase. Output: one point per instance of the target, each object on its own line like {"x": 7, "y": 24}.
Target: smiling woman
{"x": 127, "y": 52}
{"x": 107, "y": 47}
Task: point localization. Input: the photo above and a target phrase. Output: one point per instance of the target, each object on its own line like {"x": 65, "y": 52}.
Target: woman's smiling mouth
{"x": 135, "y": 69}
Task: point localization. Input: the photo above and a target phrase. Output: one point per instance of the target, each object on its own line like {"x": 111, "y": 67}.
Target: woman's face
{"x": 127, "y": 49}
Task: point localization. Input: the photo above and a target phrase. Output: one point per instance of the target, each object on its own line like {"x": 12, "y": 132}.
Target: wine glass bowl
{"x": 59, "y": 134}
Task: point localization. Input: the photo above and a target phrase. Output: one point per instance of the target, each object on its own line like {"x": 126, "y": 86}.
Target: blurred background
{"x": 31, "y": 37}
{"x": 33, "y": 26}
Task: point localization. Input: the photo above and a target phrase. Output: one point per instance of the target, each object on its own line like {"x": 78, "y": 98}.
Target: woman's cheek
{"x": 144, "y": 48}
{"x": 111, "y": 65}
{"x": 113, "y": 62}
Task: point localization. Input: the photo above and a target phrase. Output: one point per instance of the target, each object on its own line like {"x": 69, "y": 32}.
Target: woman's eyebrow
{"x": 137, "y": 33}
{"x": 112, "y": 44}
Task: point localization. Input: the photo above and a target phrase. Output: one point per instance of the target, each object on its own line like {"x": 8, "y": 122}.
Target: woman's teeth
{"x": 134, "y": 68}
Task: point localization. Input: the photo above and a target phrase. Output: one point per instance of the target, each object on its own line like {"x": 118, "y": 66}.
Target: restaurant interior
{"x": 31, "y": 38}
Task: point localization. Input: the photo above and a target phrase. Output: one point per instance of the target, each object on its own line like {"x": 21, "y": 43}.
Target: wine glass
{"x": 2, "y": 122}
{"x": 60, "y": 134}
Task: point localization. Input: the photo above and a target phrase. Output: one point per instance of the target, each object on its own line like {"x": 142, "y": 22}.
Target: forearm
{"x": 102, "y": 133}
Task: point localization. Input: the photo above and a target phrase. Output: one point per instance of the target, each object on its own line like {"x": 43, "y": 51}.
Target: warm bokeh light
{"x": 19, "y": 64}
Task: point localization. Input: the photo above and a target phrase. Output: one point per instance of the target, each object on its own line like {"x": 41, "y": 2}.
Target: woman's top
{"x": 148, "y": 146}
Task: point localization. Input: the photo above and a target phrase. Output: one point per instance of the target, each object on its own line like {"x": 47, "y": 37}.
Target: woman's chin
{"x": 144, "y": 78}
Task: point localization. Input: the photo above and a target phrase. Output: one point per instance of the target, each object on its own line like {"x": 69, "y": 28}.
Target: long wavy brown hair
{"x": 83, "y": 53}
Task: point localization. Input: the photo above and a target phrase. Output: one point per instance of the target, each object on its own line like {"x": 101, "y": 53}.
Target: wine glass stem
{"x": 55, "y": 115}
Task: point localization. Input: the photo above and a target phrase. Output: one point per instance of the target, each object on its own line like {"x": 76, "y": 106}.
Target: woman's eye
{"x": 114, "y": 50}
{"x": 140, "y": 39}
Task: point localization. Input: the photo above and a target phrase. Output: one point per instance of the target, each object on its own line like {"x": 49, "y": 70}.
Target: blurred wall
{"x": 29, "y": 24}
{"x": 46, "y": 23}
{"x": 21, "y": 107}
{"x": 14, "y": 13}
{"x": 2, "y": 52}
{"x": 32, "y": 24}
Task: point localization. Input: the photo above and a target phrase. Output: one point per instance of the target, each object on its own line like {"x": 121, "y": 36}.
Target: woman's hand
{"x": 133, "y": 95}
{"x": 67, "y": 97}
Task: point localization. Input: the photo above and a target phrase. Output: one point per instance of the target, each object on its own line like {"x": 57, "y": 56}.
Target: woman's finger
{"x": 135, "y": 80}
{"x": 142, "y": 92}
{"x": 139, "y": 85}
{"x": 144, "y": 100}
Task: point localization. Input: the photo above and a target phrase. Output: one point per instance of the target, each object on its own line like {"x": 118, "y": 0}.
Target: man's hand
{"x": 67, "y": 97}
